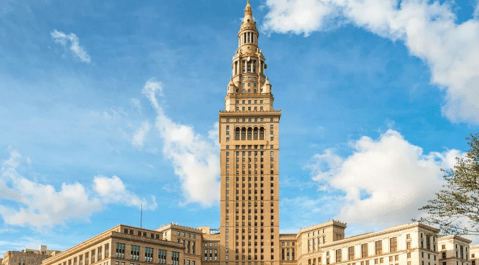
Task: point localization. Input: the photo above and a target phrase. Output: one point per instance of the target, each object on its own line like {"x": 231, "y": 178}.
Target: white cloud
{"x": 40, "y": 205}
{"x": 140, "y": 135}
{"x": 64, "y": 39}
{"x": 428, "y": 30}
{"x": 384, "y": 181}
{"x": 194, "y": 157}
{"x": 112, "y": 190}
{"x": 476, "y": 9}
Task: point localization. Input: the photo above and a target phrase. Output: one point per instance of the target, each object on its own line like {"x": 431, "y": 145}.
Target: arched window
{"x": 255, "y": 133}
{"x": 261, "y": 133}
{"x": 237, "y": 133}
{"x": 250, "y": 132}
{"x": 243, "y": 134}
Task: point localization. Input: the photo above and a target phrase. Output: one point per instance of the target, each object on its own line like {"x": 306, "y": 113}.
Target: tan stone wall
{"x": 379, "y": 248}
{"x": 132, "y": 242}
{"x": 449, "y": 249}
{"x": 19, "y": 257}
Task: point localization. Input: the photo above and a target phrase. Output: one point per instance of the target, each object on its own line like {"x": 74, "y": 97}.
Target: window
{"x": 351, "y": 253}
{"x": 379, "y": 247}
{"x": 99, "y": 253}
{"x": 338, "y": 255}
{"x": 393, "y": 244}
{"x": 364, "y": 250}
{"x": 175, "y": 258}
{"x": 135, "y": 253}
{"x": 107, "y": 251}
{"x": 148, "y": 255}
{"x": 120, "y": 251}
{"x": 161, "y": 256}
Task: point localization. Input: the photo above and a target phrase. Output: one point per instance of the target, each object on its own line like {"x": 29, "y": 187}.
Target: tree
{"x": 456, "y": 208}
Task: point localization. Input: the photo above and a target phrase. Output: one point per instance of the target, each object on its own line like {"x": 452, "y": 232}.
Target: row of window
{"x": 249, "y": 147}
{"x": 140, "y": 233}
{"x": 287, "y": 253}
{"x": 249, "y": 178}
{"x": 286, "y": 243}
{"x": 364, "y": 262}
{"x": 249, "y": 257}
{"x": 183, "y": 234}
{"x": 314, "y": 232}
{"x": 249, "y": 120}
{"x": 249, "y": 199}
{"x": 148, "y": 254}
{"x": 162, "y": 262}
{"x": 249, "y": 101}
{"x": 92, "y": 256}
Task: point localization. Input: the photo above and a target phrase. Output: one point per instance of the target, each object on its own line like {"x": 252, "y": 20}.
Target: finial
{"x": 248, "y": 10}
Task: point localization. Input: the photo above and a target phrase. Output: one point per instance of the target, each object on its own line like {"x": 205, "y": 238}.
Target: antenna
{"x": 141, "y": 215}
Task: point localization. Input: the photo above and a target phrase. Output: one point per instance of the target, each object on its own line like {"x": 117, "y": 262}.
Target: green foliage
{"x": 456, "y": 208}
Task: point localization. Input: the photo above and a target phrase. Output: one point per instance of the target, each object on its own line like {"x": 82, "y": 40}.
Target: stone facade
{"x": 474, "y": 255}
{"x": 123, "y": 245}
{"x": 249, "y": 142}
{"x": 28, "y": 256}
{"x": 454, "y": 250}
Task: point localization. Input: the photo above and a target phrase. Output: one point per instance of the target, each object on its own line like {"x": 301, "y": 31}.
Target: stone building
{"x": 28, "y": 256}
{"x": 454, "y": 250}
{"x": 123, "y": 245}
{"x": 249, "y": 142}
{"x": 249, "y": 202}
{"x": 474, "y": 254}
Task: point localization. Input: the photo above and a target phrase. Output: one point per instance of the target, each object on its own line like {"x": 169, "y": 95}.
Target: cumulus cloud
{"x": 428, "y": 29}
{"x": 41, "y": 205}
{"x": 384, "y": 181}
{"x": 140, "y": 134}
{"x": 476, "y": 9}
{"x": 71, "y": 39}
{"x": 195, "y": 157}
{"x": 112, "y": 190}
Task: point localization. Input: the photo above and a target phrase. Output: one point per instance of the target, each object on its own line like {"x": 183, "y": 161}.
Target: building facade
{"x": 124, "y": 245}
{"x": 249, "y": 142}
{"x": 27, "y": 256}
{"x": 249, "y": 203}
{"x": 454, "y": 250}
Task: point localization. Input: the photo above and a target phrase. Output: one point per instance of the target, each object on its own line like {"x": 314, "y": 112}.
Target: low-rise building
{"x": 454, "y": 250}
{"x": 122, "y": 245}
{"x": 28, "y": 256}
{"x": 411, "y": 244}
{"x": 474, "y": 254}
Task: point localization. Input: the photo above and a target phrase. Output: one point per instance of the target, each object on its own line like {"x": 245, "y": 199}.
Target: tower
{"x": 249, "y": 142}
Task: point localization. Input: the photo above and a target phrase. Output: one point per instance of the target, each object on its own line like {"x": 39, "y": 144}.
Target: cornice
{"x": 240, "y": 113}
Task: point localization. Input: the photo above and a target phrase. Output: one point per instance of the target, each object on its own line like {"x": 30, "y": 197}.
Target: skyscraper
{"x": 249, "y": 142}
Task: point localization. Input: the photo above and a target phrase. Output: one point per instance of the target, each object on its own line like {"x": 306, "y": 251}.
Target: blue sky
{"x": 107, "y": 105}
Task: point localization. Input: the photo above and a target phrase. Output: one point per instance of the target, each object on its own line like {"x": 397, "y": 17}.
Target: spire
{"x": 248, "y": 12}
